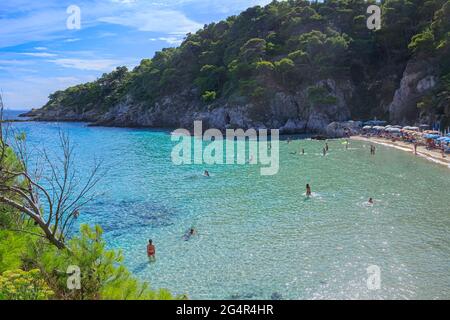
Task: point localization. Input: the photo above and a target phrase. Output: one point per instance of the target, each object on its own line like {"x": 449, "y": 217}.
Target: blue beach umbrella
{"x": 432, "y": 136}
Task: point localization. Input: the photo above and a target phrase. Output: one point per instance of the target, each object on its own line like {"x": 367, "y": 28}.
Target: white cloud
{"x": 15, "y": 62}
{"x": 72, "y": 40}
{"x": 166, "y": 21}
{"x": 87, "y": 64}
{"x": 31, "y": 27}
{"x": 40, "y": 54}
{"x": 40, "y": 48}
{"x": 176, "y": 41}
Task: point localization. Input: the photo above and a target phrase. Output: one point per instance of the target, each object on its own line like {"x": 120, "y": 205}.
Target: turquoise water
{"x": 259, "y": 237}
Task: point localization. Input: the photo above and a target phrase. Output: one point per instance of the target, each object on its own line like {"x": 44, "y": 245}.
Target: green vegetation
{"x": 24, "y": 285}
{"x": 286, "y": 46}
{"x": 209, "y": 96}
{"x": 33, "y": 268}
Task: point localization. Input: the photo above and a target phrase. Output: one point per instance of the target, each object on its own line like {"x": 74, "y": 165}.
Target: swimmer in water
{"x": 206, "y": 173}
{"x": 308, "y": 191}
{"x": 303, "y": 151}
{"x": 189, "y": 234}
{"x": 324, "y": 152}
{"x": 370, "y": 201}
{"x": 326, "y": 147}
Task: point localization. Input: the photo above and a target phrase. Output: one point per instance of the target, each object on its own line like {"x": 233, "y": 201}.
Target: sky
{"x": 43, "y": 50}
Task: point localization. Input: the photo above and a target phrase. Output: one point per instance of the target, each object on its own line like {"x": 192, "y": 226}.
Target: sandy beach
{"x": 431, "y": 155}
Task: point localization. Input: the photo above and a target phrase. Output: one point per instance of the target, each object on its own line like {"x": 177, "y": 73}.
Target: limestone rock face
{"x": 289, "y": 112}
{"x": 339, "y": 129}
{"x": 418, "y": 79}
{"x": 294, "y": 126}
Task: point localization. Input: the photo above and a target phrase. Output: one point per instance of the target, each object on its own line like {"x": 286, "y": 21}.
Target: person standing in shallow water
{"x": 151, "y": 251}
{"x": 326, "y": 147}
{"x": 308, "y": 191}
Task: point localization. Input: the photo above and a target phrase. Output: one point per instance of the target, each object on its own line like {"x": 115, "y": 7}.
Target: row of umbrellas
{"x": 392, "y": 129}
{"x": 436, "y": 135}
{"x": 427, "y": 134}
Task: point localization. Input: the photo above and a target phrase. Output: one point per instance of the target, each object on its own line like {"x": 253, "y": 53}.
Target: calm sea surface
{"x": 259, "y": 238}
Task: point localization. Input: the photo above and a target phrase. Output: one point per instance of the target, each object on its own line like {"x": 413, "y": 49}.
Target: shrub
{"x": 24, "y": 285}
{"x": 209, "y": 96}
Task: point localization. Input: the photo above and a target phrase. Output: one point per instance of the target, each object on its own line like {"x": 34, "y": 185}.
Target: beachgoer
{"x": 206, "y": 173}
{"x": 191, "y": 232}
{"x": 324, "y": 152}
{"x": 346, "y": 145}
{"x": 303, "y": 151}
{"x": 415, "y": 148}
{"x": 372, "y": 150}
{"x": 151, "y": 251}
{"x": 308, "y": 190}
{"x": 370, "y": 201}
{"x": 326, "y": 147}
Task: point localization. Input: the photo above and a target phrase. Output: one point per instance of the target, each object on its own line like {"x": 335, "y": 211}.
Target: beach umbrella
{"x": 432, "y": 136}
{"x": 367, "y": 127}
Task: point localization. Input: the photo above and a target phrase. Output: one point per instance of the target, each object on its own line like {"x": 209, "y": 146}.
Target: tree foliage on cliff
{"x": 280, "y": 47}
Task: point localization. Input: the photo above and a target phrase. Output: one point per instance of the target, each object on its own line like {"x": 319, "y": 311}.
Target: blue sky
{"x": 39, "y": 54}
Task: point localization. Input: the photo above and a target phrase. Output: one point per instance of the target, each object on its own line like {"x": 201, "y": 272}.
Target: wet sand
{"x": 431, "y": 155}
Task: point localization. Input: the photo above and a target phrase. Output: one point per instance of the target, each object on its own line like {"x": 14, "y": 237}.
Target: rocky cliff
{"x": 291, "y": 113}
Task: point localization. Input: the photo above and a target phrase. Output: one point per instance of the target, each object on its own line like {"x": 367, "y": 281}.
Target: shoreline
{"x": 430, "y": 155}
